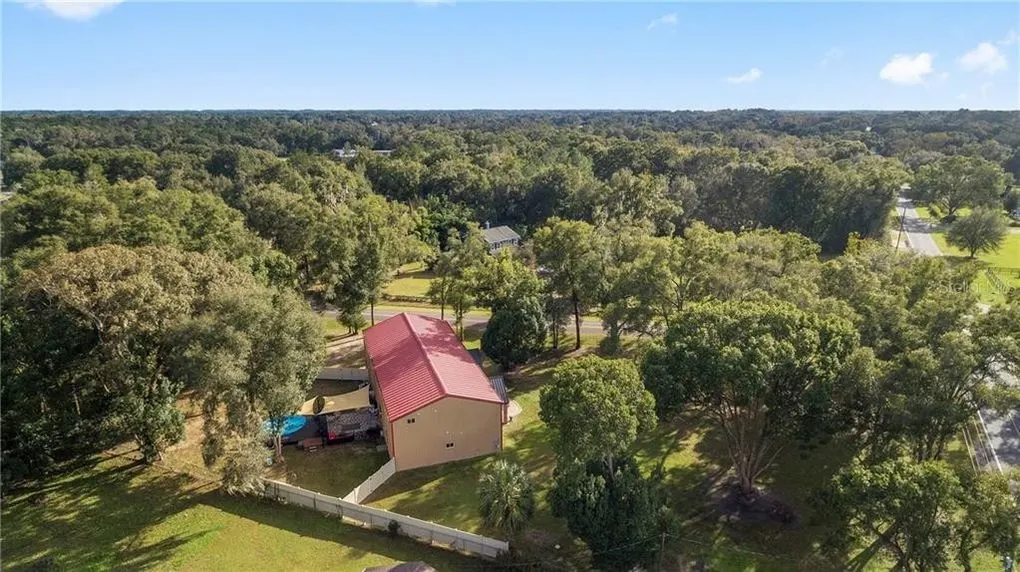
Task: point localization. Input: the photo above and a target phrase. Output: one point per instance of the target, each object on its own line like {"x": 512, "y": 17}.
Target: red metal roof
{"x": 419, "y": 360}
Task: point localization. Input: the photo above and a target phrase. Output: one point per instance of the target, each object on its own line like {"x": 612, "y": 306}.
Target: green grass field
{"x": 121, "y": 514}
{"x": 1005, "y": 261}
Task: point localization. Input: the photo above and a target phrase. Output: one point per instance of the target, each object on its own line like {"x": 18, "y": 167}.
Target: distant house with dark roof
{"x": 500, "y": 237}
{"x": 437, "y": 405}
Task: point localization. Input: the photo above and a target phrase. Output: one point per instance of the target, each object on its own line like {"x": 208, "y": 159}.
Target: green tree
{"x": 503, "y": 277}
{"x": 357, "y": 260}
{"x": 507, "y": 496}
{"x": 573, "y": 254}
{"x": 618, "y": 513}
{"x": 252, "y": 358}
{"x": 444, "y": 273}
{"x": 455, "y": 271}
{"x": 763, "y": 371}
{"x": 287, "y": 220}
{"x": 983, "y": 230}
{"x": 642, "y": 197}
{"x": 921, "y": 514}
{"x": 515, "y": 332}
{"x": 120, "y": 305}
{"x": 19, "y": 163}
{"x": 931, "y": 392}
{"x": 959, "y": 181}
{"x": 596, "y": 408}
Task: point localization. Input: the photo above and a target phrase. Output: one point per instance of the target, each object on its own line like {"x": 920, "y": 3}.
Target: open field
{"x": 411, "y": 284}
{"x": 120, "y": 514}
{"x": 1005, "y": 261}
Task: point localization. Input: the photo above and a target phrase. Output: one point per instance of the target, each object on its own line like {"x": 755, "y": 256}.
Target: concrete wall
{"x": 474, "y": 427}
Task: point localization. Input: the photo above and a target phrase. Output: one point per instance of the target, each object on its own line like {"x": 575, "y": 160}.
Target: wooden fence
{"x": 423, "y": 531}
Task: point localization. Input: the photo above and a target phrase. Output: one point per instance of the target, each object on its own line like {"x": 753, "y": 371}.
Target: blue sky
{"x": 60, "y": 54}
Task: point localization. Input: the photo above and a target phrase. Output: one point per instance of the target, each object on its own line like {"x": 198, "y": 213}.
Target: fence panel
{"x": 424, "y": 531}
{"x": 368, "y": 486}
{"x": 343, "y": 374}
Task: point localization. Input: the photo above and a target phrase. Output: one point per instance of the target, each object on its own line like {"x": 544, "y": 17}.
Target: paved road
{"x": 588, "y": 326}
{"x": 1001, "y": 430}
{"x": 916, "y": 230}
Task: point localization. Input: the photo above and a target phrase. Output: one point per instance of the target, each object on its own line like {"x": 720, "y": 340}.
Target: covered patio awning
{"x": 333, "y": 403}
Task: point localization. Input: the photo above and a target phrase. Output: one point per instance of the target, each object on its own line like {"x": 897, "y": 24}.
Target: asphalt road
{"x": 916, "y": 230}
{"x": 588, "y": 326}
{"x": 1001, "y": 430}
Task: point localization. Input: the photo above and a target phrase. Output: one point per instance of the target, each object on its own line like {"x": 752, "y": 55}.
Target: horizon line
{"x": 476, "y": 109}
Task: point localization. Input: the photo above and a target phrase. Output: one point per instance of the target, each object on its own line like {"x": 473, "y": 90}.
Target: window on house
{"x": 449, "y": 445}
{"x": 411, "y": 420}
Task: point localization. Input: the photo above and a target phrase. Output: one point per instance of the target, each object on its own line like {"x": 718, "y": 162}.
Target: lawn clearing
{"x": 1005, "y": 261}
{"x": 410, "y": 280}
{"x": 121, "y": 514}
{"x": 333, "y": 470}
{"x": 416, "y": 284}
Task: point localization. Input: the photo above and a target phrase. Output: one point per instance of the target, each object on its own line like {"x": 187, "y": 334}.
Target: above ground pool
{"x": 291, "y": 424}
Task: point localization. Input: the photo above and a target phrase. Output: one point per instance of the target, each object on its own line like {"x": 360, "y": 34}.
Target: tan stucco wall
{"x": 474, "y": 427}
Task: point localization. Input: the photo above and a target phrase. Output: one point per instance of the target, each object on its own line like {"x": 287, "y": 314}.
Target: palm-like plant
{"x": 508, "y": 497}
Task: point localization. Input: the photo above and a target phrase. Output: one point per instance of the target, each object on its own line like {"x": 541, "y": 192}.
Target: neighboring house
{"x": 500, "y": 237}
{"x": 437, "y": 405}
{"x": 352, "y": 153}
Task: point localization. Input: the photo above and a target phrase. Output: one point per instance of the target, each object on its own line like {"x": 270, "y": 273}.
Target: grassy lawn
{"x": 120, "y": 514}
{"x": 411, "y": 284}
{"x": 333, "y": 470}
{"x": 1006, "y": 260}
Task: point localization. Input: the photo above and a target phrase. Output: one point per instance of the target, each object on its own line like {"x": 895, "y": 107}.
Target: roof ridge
{"x": 428, "y": 359}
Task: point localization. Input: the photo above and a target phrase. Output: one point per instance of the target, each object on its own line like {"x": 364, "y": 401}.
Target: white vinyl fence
{"x": 343, "y": 374}
{"x": 368, "y": 486}
{"x": 427, "y": 532}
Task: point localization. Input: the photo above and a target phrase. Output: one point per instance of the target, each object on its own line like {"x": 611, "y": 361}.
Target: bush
{"x": 393, "y": 529}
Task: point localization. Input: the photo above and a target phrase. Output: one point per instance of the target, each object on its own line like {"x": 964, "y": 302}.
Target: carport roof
{"x": 418, "y": 360}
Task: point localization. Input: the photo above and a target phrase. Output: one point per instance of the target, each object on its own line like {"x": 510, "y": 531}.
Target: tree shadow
{"x": 360, "y": 541}
{"x": 95, "y": 518}
{"x": 792, "y": 478}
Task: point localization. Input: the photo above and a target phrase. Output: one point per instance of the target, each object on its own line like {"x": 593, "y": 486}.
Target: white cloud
{"x": 667, "y": 20}
{"x": 831, "y": 56}
{"x": 80, "y": 10}
{"x": 753, "y": 74}
{"x": 984, "y": 58}
{"x": 904, "y": 69}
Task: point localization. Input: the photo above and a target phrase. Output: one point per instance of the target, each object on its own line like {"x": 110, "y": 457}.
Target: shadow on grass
{"x": 334, "y": 470}
{"x": 793, "y": 477}
{"x": 95, "y": 518}
{"x": 359, "y": 541}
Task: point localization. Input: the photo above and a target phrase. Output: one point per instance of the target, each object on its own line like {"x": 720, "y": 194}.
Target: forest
{"x": 146, "y": 254}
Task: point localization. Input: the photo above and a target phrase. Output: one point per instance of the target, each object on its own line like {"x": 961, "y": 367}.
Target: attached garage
{"x": 436, "y": 403}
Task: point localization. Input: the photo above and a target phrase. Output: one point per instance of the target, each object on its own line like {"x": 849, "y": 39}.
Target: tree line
{"x": 150, "y": 255}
